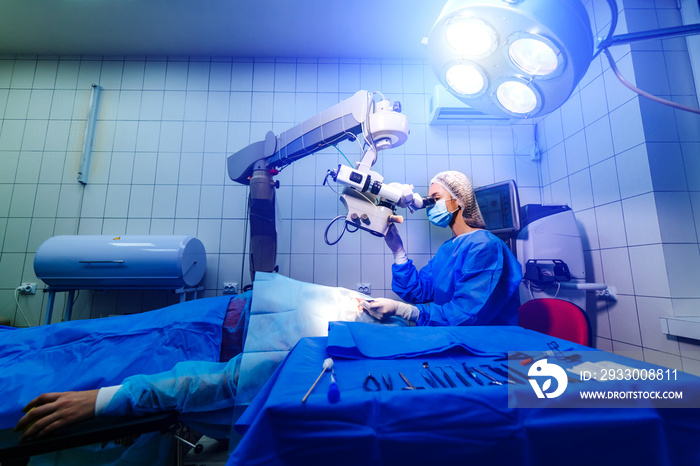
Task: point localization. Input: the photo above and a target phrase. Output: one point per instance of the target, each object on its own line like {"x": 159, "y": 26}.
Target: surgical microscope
{"x": 370, "y": 202}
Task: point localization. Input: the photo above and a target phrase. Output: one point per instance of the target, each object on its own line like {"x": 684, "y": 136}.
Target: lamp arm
{"x": 634, "y": 88}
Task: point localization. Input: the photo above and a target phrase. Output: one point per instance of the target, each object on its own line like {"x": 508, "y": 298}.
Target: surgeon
{"x": 473, "y": 278}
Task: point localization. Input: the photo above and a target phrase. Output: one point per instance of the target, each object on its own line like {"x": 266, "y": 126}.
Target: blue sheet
{"x": 461, "y": 425}
{"x": 359, "y": 340}
{"x": 87, "y": 354}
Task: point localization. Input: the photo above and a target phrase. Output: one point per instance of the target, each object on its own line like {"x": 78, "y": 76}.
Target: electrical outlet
{"x": 364, "y": 288}
{"x": 230, "y": 288}
{"x": 27, "y": 288}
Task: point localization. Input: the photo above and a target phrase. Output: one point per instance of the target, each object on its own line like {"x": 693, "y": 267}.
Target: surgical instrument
{"x": 333, "y": 391}
{"x": 327, "y": 365}
{"x": 387, "y": 382}
{"x": 409, "y": 387}
{"x": 493, "y": 380}
{"x": 517, "y": 355}
{"x": 502, "y": 373}
{"x": 516, "y": 372}
{"x": 375, "y": 387}
{"x": 433, "y": 374}
{"x": 460, "y": 377}
{"x": 447, "y": 377}
{"x": 429, "y": 379}
{"x": 471, "y": 373}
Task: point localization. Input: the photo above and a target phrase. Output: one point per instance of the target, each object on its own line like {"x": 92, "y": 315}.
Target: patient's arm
{"x": 50, "y": 411}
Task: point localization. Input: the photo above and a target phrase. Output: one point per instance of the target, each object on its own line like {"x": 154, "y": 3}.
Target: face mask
{"x": 439, "y": 215}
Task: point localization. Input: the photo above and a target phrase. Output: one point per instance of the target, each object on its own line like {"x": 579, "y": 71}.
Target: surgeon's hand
{"x": 383, "y": 309}
{"x": 50, "y": 411}
{"x": 393, "y": 240}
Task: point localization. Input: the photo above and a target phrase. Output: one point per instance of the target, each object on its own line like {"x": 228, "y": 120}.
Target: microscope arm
{"x": 381, "y": 125}
{"x": 341, "y": 121}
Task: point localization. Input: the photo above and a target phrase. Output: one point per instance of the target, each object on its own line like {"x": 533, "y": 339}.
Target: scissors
{"x": 371, "y": 384}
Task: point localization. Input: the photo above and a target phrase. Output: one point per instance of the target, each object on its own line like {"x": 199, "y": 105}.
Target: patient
{"x": 222, "y": 351}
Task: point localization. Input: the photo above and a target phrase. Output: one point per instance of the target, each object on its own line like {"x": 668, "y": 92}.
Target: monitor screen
{"x": 499, "y": 206}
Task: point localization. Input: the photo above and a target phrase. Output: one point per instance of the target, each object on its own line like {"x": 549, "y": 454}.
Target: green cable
{"x": 341, "y": 153}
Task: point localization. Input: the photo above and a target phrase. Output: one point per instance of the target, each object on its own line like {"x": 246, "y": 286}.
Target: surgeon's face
{"x": 437, "y": 192}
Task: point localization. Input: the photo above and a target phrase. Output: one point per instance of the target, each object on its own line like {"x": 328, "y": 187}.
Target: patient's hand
{"x": 50, "y": 411}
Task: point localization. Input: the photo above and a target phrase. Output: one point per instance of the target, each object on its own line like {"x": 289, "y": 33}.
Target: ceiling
{"x": 382, "y": 29}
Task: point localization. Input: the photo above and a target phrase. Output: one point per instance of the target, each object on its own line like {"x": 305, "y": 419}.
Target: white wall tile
{"x": 604, "y": 182}
{"x": 242, "y": 76}
{"x": 649, "y": 272}
{"x": 641, "y": 221}
{"x": 675, "y": 217}
{"x": 22, "y": 204}
{"x": 572, "y": 116}
{"x": 34, "y": 135}
{"x": 649, "y": 311}
{"x": 111, "y": 74}
{"x": 40, "y": 104}
{"x": 129, "y": 105}
{"x": 16, "y": 235}
{"x": 198, "y": 76}
{"x": 5, "y": 200}
{"x": 164, "y": 199}
{"x": 306, "y": 77}
{"x": 683, "y": 267}
{"x": 125, "y": 136}
{"x": 633, "y": 172}
{"x": 616, "y": 270}
{"x": 187, "y": 201}
{"x": 196, "y": 105}
{"x": 141, "y": 201}
{"x": 57, "y": 136}
{"x": 11, "y": 134}
{"x": 263, "y": 76}
{"x": 581, "y": 191}
{"x": 611, "y": 226}
{"x": 624, "y": 324}
{"x": 23, "y": 74}
{"x": 117, "y": 201}
{"x": 626, "y": 125}
{"x": 193, "y": 133}
{"x": 595, "y": 102}
{"x": 46, "y": 201}
{"x": 576, "y": 153}
{"x": 211, "y": 202}
{"x": 370, "y": 76}
{"x": 666, "y": 166}
{"x": 220, "y": 76}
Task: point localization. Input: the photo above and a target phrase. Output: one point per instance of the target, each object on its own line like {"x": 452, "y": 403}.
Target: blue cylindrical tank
{"x": 121, "y": 262}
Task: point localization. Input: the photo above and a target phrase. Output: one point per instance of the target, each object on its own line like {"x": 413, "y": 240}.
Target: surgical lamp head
{"x": 513, "y": 58}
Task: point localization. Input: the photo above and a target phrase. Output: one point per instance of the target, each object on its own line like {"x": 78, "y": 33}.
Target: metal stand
{"x": 183, "y": 292}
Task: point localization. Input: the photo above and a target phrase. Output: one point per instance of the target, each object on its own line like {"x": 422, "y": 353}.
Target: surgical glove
{"x": 393, "y": 240}
{"x": 382, "y": 309}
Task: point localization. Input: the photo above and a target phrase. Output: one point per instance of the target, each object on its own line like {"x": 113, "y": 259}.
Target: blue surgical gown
{"x": 472, "y": 280}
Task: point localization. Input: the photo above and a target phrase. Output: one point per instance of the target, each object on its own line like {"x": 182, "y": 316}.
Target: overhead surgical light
{"x": 530, "y": 54}
{"x": 535, "y": 56}
{"x": 471, "y": 37}
{"x": 524, "y": 58}
{"x": 465, "y": 79}
{"x": 517, "y": 98}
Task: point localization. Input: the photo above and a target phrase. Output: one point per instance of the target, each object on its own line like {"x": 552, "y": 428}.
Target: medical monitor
{"x": 500, "y": 207}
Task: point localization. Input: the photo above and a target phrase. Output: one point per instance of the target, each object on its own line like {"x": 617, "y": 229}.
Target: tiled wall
{"x": 630, "y": 169}
{"x": 165, "y": 127}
